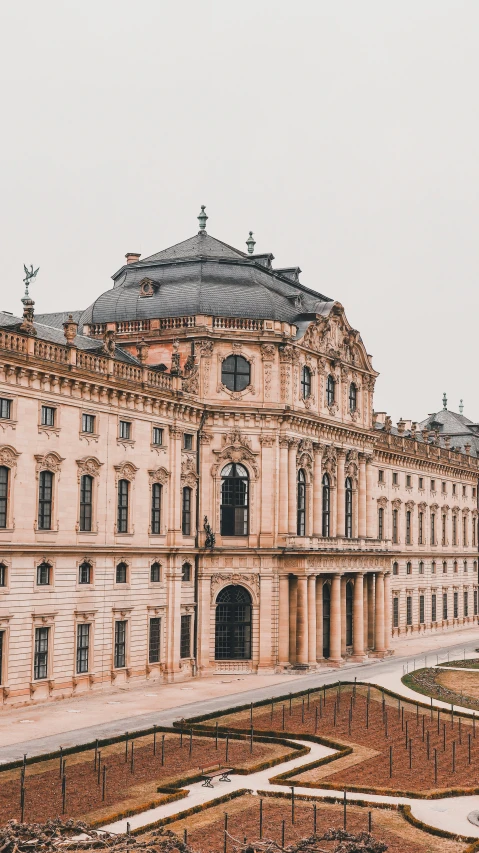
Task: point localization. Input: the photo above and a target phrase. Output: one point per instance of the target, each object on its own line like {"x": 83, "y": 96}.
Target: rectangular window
{"x": 444, "y": 605}
{"x": 4, "y": 483}
{"x": 83, "y": 645}
{"x": 380, "y": 476}
{"x": 464, "y": 530}
{"x": 475, "y": 602}
{"x": 185, "y": 638}
{"x": 395, "y": 478}
{"x": 86, "y": 503}
{"x": 3, "y": 574}
{"x": 395, "y": 526}
{"x": 443, "y": 539}
{"x": 380, "y": 523}
{"x": 123, "y": 496}
{"x": 421, "y": 482}
{"x": 409, "y": 568}
{"x": 186, "y": 573}
{"x": 421, "y": 528}
{"x": 454, "y": 531}
{"x": 40, "y": 660}
{"x": 464, "y": 491}
{"x": 120, "y": 644}
{"x": 125, "y": 430}
{"x": 188, "y": 441}
{"x": 408, "y": 481}
{"x": 88, "y": 423}
{"x": 433, "y": 528}
{"x": 395, "y": 568}
{"x": 474, "y": 532}
{"x": 466, "y": 603}
{"x": 395, "y": 612}
{"x": 453, "y": 488}
{"x": 157, "y": 436}
{"x": 43, "y": 574}
{"x": 48, "y": 416}
{"x": 456, "y": 605}
{"x": 45, "y": 500}
{"x": 186, "y": 512}
{"x": 409, "y": 610}
{"x": 154, "y": 641}
{"x": 433, "y": 567}
{"x": 444, "y": 488}
{"x": 421, "y": 567}
{"x": 433, "y": 485}
{"x": 474, "y": 491}
{"x": 2, "y": 634}
{"x": 433, "y": 608}
{"x": 408, "y": 527}
{"x": 421, "y": 610}
{"x": 5, "y": 408}
{"x": 156, "y": 508}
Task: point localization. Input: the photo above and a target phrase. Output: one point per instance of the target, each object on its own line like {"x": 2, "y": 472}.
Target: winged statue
{"x": 29, "y": 276}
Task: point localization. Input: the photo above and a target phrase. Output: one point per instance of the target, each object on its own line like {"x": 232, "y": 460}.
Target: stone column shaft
{"x": 302, "y": 621}
{"x": 283, "y": 618}
{"x": 293, "y": 601}
{"x": 358, "y": 617}
{"x": 379, "y": 614}
{"x": 312, "y": 620}
{"x": 319, "y": 618}
{"x": 335, "y": 620}
{"x": 370, "y": 503}
{"x": 387, "y": 611}
{"x": 371, "y": 611}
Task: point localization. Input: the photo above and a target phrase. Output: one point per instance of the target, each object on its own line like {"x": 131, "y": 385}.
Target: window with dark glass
{"x": 83, "y": 647}
{"x": 464, "y": 530}
{"x": 433, "y": 528}
{"x": 156, "y": 508}
{"x": 464, "y": 491}
{"x": 433, "y": 567}
{"x": 421, "y": 567}
{"x": 2, "y": 634}
{"x": 444, "y": 605}
{"x": 421, "y": 482}
{"x": 234, "y": 500}
{"x": 155, "y": 573}
{"x": 455, "y": 566}
{"x": 409, "y": 568}
{"x": 154, "y": 640}
{"x": 395, "y": 478}
{"x": 453, "y": 488}
{"x": 40, "y": 660}
{"x": 301, "y": 504}
{"x": 123, "y": 501}
{"x": 353, "y": 397}
{"x": 120, "y": 644}
{"x": 48, "y": 416}
{"x": 408, "y": 481}
{"x": 44, "y": 574}
{"x": 455, "y": 601}
{"x": 395, "y": 527}
{"x": 454, "y": 531}
{"x": 380, "y": 523}
{"x": 125, "y": 430}
{"x": 443, "y": 488}
{"x": 186, "y": 511}
{"x": 45, "y": 500}
{"x": 421, "y": 528}
{"x": 475, "y": 602}
{"x": 465, "y": 565}
{"x": 235, "y": 373}
{"x": 474, "y": 532}
{"x": 3, "y": 574}
{"x": 433, "y": 607}
{"x": 421, "y": 610}
{"x": 395, "y": 612}
{"x": 186, "y": 572}
{"x": 187, "y": 441}
{"x": 408, "y": 527}
{"x": 306, "y": 382}
{"x": 5, "y": 408}
{"x": 433, "y": 485}
{"x": 157, "y": 436}
{"x": 84, "y": 572}
{"x": 86, "y": 502}
{"x": 380, "y": 476}
{"x": 444, "y": 568}
{"x": 88, "y": 423}
{"x": 121, "y": 573}
{"x": 348, "y": 508}
{"x": 409, "y": 610}
{"x": 4, "y": 477}
{"x": 185, "y": 637}
{"x": 466, "y": 603}
{"x": 330, "y": 390}
{"x": 395, "y": 568}
{"x": 233, "y": 624}
{"x": 326, "y": 508}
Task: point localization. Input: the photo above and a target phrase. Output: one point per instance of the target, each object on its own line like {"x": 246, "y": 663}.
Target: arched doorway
{"x": 349, "y": 614}
{"x": 326, "y": 618}
{"x": 233, "y": 624}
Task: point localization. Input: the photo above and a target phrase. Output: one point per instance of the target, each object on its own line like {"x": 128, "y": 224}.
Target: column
{"x": 302, "y": 621}
{"x": 370, "y": 510}
{"x": 362, "y": 496}
{"x": 312, "y": 620}
{"x": 293, "y": 601}
{"x": 343, "y": 617}
{"x": 268, "y": 490}
{"x": 204, "y": 610}
{"x": 319, "y": 618}
{"x": 175, "y": 483}
{"x": 379, "y": 614}
{"x": 340, "y": 495}
{"x": 292, "y": 488}
{"x": 317, "y": 491}
{"x": 358, "y": 617}
{"x": 335, "y": 620}
{"x": 365, "y": 613}
{"x": 387, "y": 611}
{"x": 283, "y": 621}
{"x": 283, "y": 485}
{"x": 371, "y": 611}
{"x": 266, "y": 662}
{"x": 173, "y": 620}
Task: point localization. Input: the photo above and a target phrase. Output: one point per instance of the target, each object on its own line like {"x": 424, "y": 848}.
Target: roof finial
{"x": 444, "y": 401}
{"x": 461, "y": 406}
{"x": 202, "y": 217}
{"x": 251, "y": 243}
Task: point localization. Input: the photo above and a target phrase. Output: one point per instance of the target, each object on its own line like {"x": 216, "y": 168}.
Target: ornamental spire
{"x": 461, "y": 406}
{"x": 444, "y": 401}
{"x": 202, "y": 217}
{"x": 251, "y": 243}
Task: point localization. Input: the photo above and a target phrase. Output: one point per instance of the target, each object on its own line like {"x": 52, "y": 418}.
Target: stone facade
{"x": 326, "y": 555}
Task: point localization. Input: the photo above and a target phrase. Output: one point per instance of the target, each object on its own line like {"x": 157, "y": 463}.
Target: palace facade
{"x": 193, "y": 480}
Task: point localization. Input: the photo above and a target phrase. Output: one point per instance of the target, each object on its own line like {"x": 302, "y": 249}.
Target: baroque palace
{"x": 193, "y": 480}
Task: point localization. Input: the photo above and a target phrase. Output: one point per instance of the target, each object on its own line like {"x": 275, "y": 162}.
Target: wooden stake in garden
{"x": 251, "y": 740}
{"x": 344, "y": 810}
{"x": 132, "y": 761}
{"x": 251, "y": 714}
{"x": 98, "y": 767}
{"x": 96, "y": 753}
{"x": 162, "y": 750}
{"x": 22, "y": 800}
{"x": 226, "y": 832}
{"x": 438, "y": 719}
{"x": 282, "y": 833}
{"x": 390, "y": 762}
{"x": 154, "y": 740}
{"x": 126, "y": 747}
{"x": 61, "y": 762}
{"x": 370, "y": 822}
{"x": 435, "y": 766}
{"x": 302, "y": 711}
{"x": 261, "y": 818}
{"x": 292, "y": 804}
{"x": 103, "y": 787}
{"x": 64, "y": 793}
{"x": 191, "y": 741}
{"x": 314, "y": 818}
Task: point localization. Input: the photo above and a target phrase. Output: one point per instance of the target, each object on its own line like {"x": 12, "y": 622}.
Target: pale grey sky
{"x": 343, "y": 132}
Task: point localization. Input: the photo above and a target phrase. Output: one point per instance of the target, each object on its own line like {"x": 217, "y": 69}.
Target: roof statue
{"x": 202, "y": 217}
{"x": 444, "y": 401}
{"x": 29, "y": 276}
{"x": 251, "y": 243}
{"x": 461, "y": 406}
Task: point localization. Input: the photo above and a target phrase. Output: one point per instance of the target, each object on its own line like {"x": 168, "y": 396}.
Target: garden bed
{"x": 452, "y": 687}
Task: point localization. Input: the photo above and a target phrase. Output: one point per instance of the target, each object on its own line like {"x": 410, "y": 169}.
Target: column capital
{"x": 283, "y": 441}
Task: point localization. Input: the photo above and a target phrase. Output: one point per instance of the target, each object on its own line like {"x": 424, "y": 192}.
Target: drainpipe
{"x": 197, "y": 537}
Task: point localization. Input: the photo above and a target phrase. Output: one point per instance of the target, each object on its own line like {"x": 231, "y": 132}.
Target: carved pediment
{"x": 49, "y": 461}
{"x": 89, "y": 465}
{"x": 236, "y": 448}
{"x": 126, "y": 471}
{"x": 159, "y": 475}
{"x": 8, "y": 456}
{"x": 188, "y": 472}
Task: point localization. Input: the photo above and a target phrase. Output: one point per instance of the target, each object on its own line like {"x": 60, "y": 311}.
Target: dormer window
{"x": 148, "y": 287}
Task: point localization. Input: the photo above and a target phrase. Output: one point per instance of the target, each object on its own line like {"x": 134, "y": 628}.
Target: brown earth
{"x": 466, "y": 683}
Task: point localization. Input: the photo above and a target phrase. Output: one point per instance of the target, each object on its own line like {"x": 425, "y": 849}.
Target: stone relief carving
{"x": 88, "y": 465}
{"x": 251, "y": 582}
{"x": 8, "y": 456}
{"x": 235, "y": 448}
{"x": 330, "y": 461}
{"x": 383, "y": 502}
{"x": 48, "y": 461}
{"x": 125, "y": 471}
{"x": 188, "y": 472}
{"x": 159, "y": 475}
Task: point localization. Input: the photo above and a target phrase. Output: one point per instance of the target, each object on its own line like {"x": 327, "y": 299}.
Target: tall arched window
{"x": 348, "y": 508}
{"x": 349, "y": 614}
{"x": 301, "y": 504}
{"x": 330, "y": 390}
{"x": 156, "y": 508}
{"x": 86, "y": 502}
{"x": 123, "y": 501}
{"x": 353, "y": 397}
{"x": 234, "y": 500}
{"x": 380, "y": 523}
{"x": 306, "y": 382}
{"x": 326, "y": 488}
{"x": 45, "y": 500}
{"x": 233, "y": 624}
{"x": 4, "y": 472}
{"x": 326, "y": 618}
{"x": 186, "y": 511}
{"x": 235, "y": 373}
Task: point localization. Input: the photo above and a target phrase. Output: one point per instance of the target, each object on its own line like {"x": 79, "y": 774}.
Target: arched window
{"x": 301, "y": 504}
{"x": 330, "y": 390}
{"x": 409, "y": 568}
{"x": 306, "y": 382}
{"x": 45, "y": 500}
{"x": 235, "y": 373}
{"x": 465, "y": 565}
{"x": 186, "y": 572}
{"x": 353, "y": 397}
{"x": 86, "y": 502}
{"x": 348, "y": 508}
{"x": 395, "y": 568}
{"x": 380, "y": 523}
{"x": 349, "y": 614}
{"x": 121, "y": 575}
{"x": 444, "y": 567}
{"x": 326, "y": 514}
{"x": 234, "y": 500}
{"x": 123, "y": 501}
{"x": 421, "y": 567}
{"x": 455, "y": 567}
{"x": 186, "y": 511}
{"x": 155, "y": 572}
{"x": 326, "y": 618}
{"x": 84, "y": 572}
{"x": 156, "y": 508}
{"x": 4, "y": 472}
{"x": 233, "y": 624}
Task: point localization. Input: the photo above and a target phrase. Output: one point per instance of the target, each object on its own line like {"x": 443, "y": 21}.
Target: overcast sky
{"x": 344, "y": 133}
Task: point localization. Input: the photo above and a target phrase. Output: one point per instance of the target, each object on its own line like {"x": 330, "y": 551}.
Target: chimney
{"x": 379, "y": 418}
{"x": 132, "y": 257}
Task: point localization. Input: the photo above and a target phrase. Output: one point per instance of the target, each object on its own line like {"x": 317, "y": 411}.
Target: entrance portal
{"x": 233, "y": 624}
